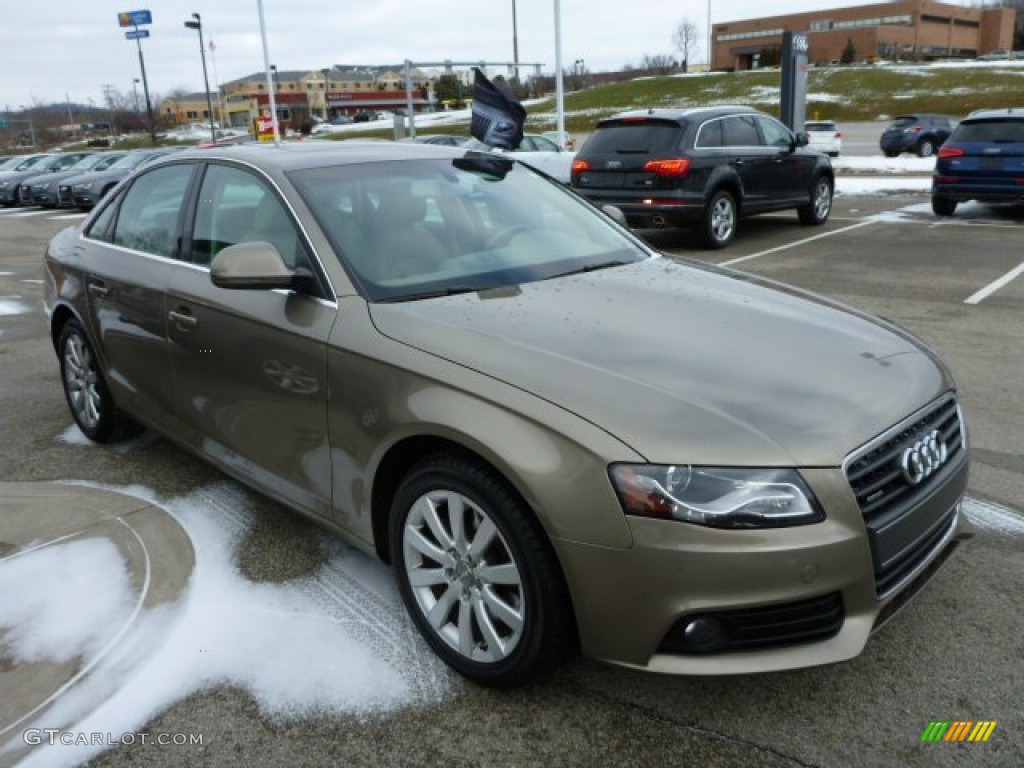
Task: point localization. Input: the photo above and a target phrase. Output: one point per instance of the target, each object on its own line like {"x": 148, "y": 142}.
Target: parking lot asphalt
{"x": 953, "y": 654}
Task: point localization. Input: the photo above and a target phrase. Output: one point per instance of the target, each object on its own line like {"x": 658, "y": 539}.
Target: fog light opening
{"x": 703, "y": 633}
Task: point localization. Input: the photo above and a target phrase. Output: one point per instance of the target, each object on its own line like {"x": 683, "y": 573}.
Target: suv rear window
{"x": 903, "y": 122}
{"x": 819, "y": 125}
{"x": 1001, "y": 131}
{"x": 635, "y": 138}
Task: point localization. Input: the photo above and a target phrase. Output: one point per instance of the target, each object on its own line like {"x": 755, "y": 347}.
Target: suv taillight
{"x": 676, "y": 166}
{"x": 951, "y": 152}
{"x": 578, "y": 166}
{"x": 914, "y": 129}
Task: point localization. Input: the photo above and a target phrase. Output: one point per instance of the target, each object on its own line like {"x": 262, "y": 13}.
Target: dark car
{"x": 364, "y": 117}
{"x": 558, "y": 438}
{"x": 983, "y": 160}
{"x": 920, "y": 134}
{"x": 43, "y": 189}
{"x": 12, "y": 191}
{"x": 702, "y": 168}
{"x": 87, "y": 190}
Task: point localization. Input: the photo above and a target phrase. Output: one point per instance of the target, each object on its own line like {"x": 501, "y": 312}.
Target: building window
{"x": 192, "y": 114}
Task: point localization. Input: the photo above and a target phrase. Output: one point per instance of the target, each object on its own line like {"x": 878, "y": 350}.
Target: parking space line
{"x": 24, "y": 214}
{"x": 748, "y": 257}
{"x": 995, "y": 285}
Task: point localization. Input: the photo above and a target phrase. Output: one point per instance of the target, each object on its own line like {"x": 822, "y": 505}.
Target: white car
{"x": 825, "y": 136}
{"x": 555, "y": 162}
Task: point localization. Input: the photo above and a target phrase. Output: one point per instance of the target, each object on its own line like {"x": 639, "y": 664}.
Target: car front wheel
{"x": 943, "y": 206}
{"x": 816, "y": 212}
{"x": 476, "y": 573}
{"x": 720, "y": 219}
{"x": 926, "y": 148}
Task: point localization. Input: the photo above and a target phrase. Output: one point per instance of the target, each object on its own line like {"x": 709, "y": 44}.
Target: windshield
{"x": 23, "y": 164}
{"x": 87, "y": 162}
{"x": 994, "y": 130}
{"x": 412, "y": 229}
{"x": 129, "y": 161}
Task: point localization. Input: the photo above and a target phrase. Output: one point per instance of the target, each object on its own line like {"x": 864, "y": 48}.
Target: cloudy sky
{"x": 72, "y": 49}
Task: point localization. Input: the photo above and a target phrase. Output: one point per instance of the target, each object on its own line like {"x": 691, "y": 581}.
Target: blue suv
{"x": 983, "y": 160}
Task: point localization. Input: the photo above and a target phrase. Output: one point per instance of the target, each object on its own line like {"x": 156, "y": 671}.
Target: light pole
{"x": 135, "y": 92}
{"x": 515, "y": 44}
{"x": 327, "y": 89}
{"x": 198, "y": 26}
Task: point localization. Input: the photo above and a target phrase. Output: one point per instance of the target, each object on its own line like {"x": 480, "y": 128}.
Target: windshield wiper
{"x": 449, "y": 290}
{"x": 592, "y": 268}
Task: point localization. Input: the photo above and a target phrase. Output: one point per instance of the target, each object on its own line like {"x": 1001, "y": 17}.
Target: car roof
{"x": 685, "y": 115}
{"x": 314, "y": 154}
{"x": 988, "y": 114}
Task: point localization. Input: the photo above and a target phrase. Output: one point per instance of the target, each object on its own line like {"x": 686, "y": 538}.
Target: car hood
{"x": 686, "y": 363}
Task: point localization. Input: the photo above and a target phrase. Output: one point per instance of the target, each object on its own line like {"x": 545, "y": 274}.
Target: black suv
{"x": 920, "y": 134}
{"x": 702, "y": 168}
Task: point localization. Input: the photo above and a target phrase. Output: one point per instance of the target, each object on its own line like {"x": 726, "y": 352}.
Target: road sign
{"x": 134, "y": 18}
{"x": 135, "y": 34}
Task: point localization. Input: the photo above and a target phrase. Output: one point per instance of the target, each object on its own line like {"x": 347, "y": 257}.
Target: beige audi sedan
{"x": 560, "y": 439}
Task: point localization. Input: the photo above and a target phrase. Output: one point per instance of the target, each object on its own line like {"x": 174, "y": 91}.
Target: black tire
{"x": 489, "y": 598}
{"x": 721, "y": 219}
{"x": 943, "y": 206}
{"x": 86, "y": 391}
{"x": 818, "y": 208}
{"x": 891, "y": 154}
{"x": 926, "y": 148}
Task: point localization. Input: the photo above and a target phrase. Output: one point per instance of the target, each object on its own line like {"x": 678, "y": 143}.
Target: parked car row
{"x": 69, "y": 179}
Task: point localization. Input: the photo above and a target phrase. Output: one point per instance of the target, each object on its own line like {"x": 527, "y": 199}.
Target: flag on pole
{"x": 498, "y": 117}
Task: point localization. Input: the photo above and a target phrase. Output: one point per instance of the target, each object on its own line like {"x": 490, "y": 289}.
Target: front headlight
{"x": 84, "y": 187}
{"x": 718, "y": 497}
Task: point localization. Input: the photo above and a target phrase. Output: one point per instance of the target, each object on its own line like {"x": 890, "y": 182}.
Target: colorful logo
{"x": 958, "y": 730}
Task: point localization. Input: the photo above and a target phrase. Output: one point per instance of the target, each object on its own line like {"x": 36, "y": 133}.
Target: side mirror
{"x": 253, "y": 266}
{"x": 802, "y": 139}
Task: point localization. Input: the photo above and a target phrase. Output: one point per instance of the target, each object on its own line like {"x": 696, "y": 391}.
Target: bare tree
{"x": 686, "y": 39}
{"x": 658, "y": 63}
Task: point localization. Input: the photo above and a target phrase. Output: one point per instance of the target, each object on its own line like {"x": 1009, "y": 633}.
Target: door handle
{"x": 98, "y": 290}
{"x": 181, "y": 318}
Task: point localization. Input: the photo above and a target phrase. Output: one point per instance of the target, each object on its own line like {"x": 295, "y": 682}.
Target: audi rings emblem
{"x": 924, "y": 457}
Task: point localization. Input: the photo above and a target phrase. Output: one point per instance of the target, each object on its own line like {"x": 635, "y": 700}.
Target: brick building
{"x": 915, "y": 30}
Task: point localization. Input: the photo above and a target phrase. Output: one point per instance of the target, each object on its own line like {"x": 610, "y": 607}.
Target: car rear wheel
{"x": 720, "y": 218}
{"x": 816, "y": 212}
{"x": 891, "y": 154}
{"x": 477, "y": 574}
{"x": 86, "y": 390}
{"x": 926, "y": 148}
{"x": 943, "y": 206}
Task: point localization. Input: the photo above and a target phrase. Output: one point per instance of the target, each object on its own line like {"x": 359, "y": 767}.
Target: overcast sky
{"x": 74, "y": 47}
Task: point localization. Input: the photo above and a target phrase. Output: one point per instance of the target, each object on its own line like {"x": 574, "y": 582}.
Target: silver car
{"x": 560, "y": 439}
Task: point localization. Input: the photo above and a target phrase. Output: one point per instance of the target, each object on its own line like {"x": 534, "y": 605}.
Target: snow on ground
{"x": 338, "y": 642}
{"x": 9, "y": 305}
{"x": 74, "y": 436}
{"x": 994, "y": 518}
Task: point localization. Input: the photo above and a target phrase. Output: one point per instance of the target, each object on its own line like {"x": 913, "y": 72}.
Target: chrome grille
{"x": 907, "y": 520}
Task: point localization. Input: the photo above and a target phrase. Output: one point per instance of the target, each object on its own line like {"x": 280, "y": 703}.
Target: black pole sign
{"x": 794, "y": 79}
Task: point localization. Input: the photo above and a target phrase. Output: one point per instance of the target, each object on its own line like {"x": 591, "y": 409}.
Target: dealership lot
{"x": 948, "y": 656}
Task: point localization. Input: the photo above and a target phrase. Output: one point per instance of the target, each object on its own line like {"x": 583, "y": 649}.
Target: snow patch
{"x": 337, "y": 641}
{"x": 994, "y": 518}
{"x": 9, "y": 305}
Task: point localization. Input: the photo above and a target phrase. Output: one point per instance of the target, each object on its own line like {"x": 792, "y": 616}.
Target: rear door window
{"x": 740, "y": 131}
{"x": 148, "y": 216}
{"x": 996, "y": 131}
{"x": 653, "y": 138}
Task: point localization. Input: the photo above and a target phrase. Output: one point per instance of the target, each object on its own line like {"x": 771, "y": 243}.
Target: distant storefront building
{"x": 901, "y": 31}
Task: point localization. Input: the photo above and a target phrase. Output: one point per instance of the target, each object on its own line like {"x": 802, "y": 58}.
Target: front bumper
{"x": 630, "y": 603}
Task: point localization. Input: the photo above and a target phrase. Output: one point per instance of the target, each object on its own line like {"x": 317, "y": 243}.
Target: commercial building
{"x": 914, "y": 30}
